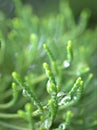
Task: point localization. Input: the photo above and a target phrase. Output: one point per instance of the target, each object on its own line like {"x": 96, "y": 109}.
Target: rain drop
{"x": 24, "y": 93}
{"x": 65, "y": 100}
{"x": 47, "y": 123}
{"x": 66, "y": 64}
{"x": 74, "y": 97}
{"x": 62, "y": 126}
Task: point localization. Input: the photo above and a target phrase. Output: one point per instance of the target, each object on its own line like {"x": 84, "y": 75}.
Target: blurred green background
{"x": 21, "y": 28}
{"x": 46, "y": 7}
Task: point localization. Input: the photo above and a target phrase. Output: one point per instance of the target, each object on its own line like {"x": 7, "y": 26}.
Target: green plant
{"x": 47, "y": 63}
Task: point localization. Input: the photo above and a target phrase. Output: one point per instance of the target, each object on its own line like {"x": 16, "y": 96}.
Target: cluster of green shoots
{"x": 58, "y": 100}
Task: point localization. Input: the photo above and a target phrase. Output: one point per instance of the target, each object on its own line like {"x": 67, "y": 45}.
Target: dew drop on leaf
{"x": 24, "y": 93}
{"x": 66, "y": 64}
{"x": 62, "y": 126}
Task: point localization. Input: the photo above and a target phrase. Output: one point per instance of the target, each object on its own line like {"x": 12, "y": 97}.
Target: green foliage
{"x": 51, "y": 64}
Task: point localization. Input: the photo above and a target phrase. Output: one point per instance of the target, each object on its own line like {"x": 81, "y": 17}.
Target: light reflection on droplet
{"x": 47, "y": 123}
{"x": 24, "y": 93}
{"x": 61, "y": 94}
{"x": 66, "y": 64}
{"x": 62, "y": 126}
{"x": 65, "y": 100}
{"x": 74, "y": 97}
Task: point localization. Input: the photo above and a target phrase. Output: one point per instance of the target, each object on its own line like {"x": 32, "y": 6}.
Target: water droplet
{"x": 61, "y": 94}
{"x": 68, "y": 97}
{"x": 34, "y": 102}
{"x": 74, "y": 97}
{"x": 47, "y": 123}
{"x": 66, "y": 64}
{"x": 24, "y": 93}
{"x": 65, "y": 100}
{"x": 62, "y": 126}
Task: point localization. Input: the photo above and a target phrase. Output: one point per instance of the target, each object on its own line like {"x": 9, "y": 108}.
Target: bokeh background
{"x": 20, "y": 28}
{"x": 46, "y": 7}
